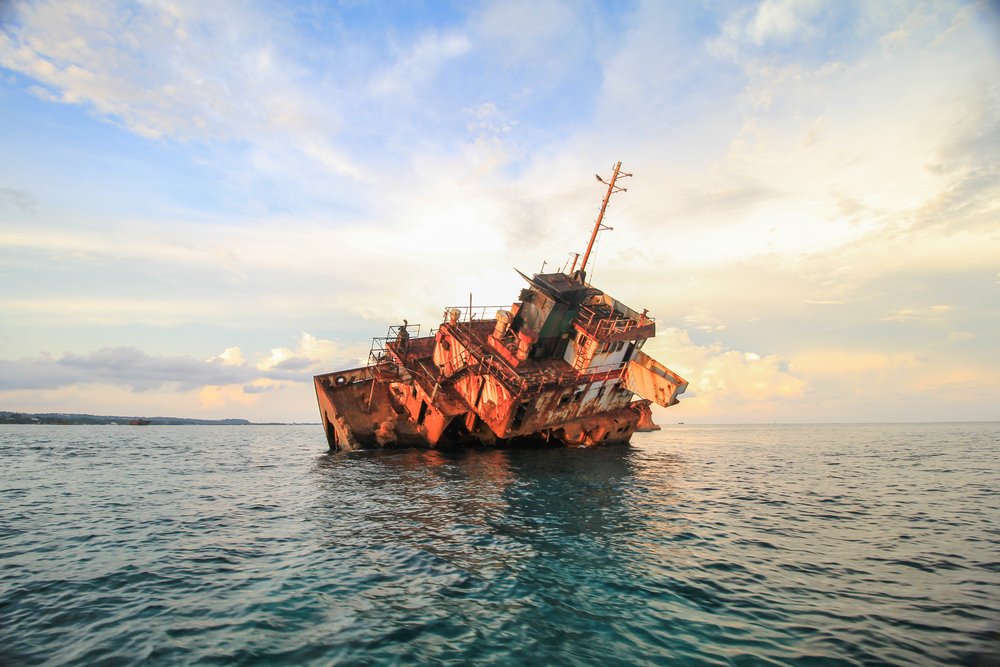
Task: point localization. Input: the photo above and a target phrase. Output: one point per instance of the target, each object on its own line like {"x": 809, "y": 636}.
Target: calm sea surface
{"x": 829, "y": 544}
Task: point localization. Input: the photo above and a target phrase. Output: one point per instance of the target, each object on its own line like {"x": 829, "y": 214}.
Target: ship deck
{"x": 530, "y": 376}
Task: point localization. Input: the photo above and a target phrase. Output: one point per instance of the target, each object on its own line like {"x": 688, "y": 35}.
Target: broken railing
{"x": 601, "y": 325}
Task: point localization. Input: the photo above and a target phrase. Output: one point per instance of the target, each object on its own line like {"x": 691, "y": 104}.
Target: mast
{"x": 612, "y": 188}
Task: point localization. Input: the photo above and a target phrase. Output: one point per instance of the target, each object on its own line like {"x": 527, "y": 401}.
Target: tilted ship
{"x": 561, "y": 366}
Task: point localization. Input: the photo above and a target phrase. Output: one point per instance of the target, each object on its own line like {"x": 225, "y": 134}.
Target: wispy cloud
{"x": 179, "y": 71}
{"x": 417, "y": 65}
{"x": 18, "y": 199}
{"x": 933, "y": 313}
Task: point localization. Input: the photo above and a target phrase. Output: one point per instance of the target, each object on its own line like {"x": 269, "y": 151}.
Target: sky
{"x": 202, "y": 205}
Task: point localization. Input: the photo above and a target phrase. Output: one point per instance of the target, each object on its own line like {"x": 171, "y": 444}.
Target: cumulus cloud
{"x": 232, "y": 356}
{"x": 312, "y": 354}
{"x": 726, "y": 381}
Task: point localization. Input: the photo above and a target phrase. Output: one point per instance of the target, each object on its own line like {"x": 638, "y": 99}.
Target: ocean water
{"x": 696, "y": 545}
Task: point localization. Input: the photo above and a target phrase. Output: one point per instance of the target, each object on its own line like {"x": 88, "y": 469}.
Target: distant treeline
{"x": 69, "y": 418}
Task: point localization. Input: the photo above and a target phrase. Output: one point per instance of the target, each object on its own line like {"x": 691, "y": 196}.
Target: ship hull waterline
{"x": 361, "y": 413}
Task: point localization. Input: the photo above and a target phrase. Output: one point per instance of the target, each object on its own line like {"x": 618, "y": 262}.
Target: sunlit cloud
{"x": 849, "y": 362}
{"x": 232, "y": 356}
{"x": 741, "y": 384}
{"x": 234, "y": 397}
{"x": 312, "y": 354}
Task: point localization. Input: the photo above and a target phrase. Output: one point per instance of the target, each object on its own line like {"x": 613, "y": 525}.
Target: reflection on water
{"x": 542, "y": 535}
{"x": 513, "y": 501}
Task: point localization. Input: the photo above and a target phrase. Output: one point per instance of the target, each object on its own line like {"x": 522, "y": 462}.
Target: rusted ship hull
{"x": 361, "y": 413}
{"x": 477, "y": 383}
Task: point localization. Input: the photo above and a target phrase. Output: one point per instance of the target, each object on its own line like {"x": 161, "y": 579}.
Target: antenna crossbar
{"x": 612, "y": 189}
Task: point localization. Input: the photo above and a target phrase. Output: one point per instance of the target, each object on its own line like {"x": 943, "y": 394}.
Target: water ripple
{"x": 833, "y": 545}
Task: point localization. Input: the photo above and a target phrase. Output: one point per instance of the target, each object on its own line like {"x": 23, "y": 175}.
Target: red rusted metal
{"x": 560, "y": 366}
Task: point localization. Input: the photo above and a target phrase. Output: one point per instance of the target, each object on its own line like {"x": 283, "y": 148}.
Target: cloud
{"x": 217, "y": 397}
{"x": 896, "y": 385}
{"x": 141, "y": 371}
{"x": 738, "y": 384}
{"x": 540, "y": 34}
{"x": 312, "y": 354}
{"x": 123, "y": 366}
{"x": 18, "y": 199}
{"x": 932, "y": 314}
{"x": 415, "y": 66}
{"x": 262, "y": 386}
{"x": 180, "y": 71}
{"x": 88, "y": 310}
{"x": 704, "y": 321}
{"x": 850, "y": 363}
{"x": 231, "y": 356}
{"x": 283, "y": 359}
{"x": 781, "y": 20}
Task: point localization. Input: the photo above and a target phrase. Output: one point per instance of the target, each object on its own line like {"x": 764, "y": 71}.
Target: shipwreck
{"x": 561, "y": 366}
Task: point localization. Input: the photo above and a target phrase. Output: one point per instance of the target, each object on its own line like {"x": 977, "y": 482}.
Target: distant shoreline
{"x": 77, "y": 419}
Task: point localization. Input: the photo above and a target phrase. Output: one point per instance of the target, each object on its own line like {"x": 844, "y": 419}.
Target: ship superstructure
{"x": 561, "y": 365}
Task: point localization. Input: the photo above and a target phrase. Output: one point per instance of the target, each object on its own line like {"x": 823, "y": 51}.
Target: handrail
{"x": 571, "y": 376}
{"x": 474, "y": 313}
{"x": 597, "y": 324}
{"x": 487, "y": 361}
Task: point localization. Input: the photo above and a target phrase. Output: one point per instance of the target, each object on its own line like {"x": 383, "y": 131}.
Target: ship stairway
{"x": 382, "y": 364}
{"x": 580, "y": 359}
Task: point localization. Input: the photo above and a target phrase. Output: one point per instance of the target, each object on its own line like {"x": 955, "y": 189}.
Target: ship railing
{"x": 571, "y": 376}
{"x": 379, "y": 355}
{"x": 487, "y": 362}
{"x": 534, "y": 380}
{"x": 470, "y": 313}
{"x": 491, "y": 365}
{"x": 600, "y": 325}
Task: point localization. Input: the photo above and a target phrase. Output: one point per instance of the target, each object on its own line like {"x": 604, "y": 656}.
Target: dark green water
{"x": 820, "y": 544}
